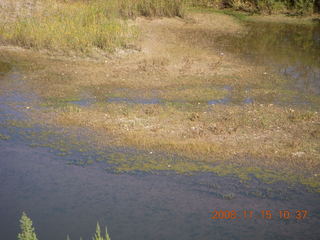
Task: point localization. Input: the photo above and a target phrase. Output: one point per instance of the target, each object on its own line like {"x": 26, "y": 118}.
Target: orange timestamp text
{"x": 263, "y": 214}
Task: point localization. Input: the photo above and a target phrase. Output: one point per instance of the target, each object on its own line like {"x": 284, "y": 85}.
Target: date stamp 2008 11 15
{"x": 263, "y": 214}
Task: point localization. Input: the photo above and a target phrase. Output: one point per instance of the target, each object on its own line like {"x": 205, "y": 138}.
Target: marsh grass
{"x": 277, "y": 138}
{"x": 68, "y": 27}
{"x": 81, "y": 26}
{"x": 151, "y": 8}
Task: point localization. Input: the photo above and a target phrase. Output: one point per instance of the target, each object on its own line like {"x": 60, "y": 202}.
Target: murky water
{"x": 289, "y": 49}
{"x": 63, "y": 198}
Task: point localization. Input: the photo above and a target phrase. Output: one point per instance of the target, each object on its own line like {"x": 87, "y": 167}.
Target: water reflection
{"x": 293, "y": 50}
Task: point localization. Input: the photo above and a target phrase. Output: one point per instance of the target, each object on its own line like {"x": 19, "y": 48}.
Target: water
{"x": 63, "y": 198}
{"x": 66, "y": 199}
{"x": 135, "y": 100}
{"x": 289, "y": 49}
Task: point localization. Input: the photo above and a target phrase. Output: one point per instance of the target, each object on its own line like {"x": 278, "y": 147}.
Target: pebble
{"x": 298, "y": 154}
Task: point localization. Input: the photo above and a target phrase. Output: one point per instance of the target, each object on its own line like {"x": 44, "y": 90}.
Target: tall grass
{"x": 81, "y": 26}
{"x": 150, "y": 8}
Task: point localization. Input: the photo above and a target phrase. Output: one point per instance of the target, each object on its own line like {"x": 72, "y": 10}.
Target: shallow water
{"x": 289, "y": 49}
{"x": 63, "y": 198}
{"x": 66, "y": 199}
{"x": 64, "y": 194}
{"x": 135, "y": 100}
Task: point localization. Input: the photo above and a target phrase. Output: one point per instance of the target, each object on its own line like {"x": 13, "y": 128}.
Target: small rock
{"x": 298, "y": 154}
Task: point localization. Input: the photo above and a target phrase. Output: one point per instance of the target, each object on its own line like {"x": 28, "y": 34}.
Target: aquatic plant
{"x": 27, "y": 230}
{"x": 98, "y": 235}
{"x": 4, "y": 137}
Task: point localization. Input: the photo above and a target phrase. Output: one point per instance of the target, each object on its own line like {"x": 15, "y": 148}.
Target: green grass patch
{"x": 4, "y": 137}
{"x": 241, "y": 16}
{"x": 4, "y": 67}
{"x": 151, "y": 162}
{"x": 76, "y": 27}
{"x": 83, "y": 26}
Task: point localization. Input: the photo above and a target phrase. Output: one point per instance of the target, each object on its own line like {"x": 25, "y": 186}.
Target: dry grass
{"x": 79, "y": 26}
{"x": 277, "y": 138}
{"x": 68, "y": 27}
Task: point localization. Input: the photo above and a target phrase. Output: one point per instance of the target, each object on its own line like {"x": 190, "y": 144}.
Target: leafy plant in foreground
{"x": 27, "y": 230}
{"x": 98, "y": 236}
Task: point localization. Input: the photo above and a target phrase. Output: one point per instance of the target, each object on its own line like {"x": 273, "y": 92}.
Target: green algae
{"x": 240, "y": 16}
{"x": 57, "y": 102}
{"x": 4, "y": 137}
{"x": 4, "y": 67}
{"x": 146, "y": 162}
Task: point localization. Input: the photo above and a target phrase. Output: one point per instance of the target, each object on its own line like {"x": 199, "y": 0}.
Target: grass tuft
{"x": 83, "y": 26}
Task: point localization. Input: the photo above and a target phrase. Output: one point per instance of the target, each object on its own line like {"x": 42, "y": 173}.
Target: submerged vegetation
{"x": 28, "y": 231}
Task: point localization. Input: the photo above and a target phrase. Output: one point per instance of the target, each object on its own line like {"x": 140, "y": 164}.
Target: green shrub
{"x": 263, "y": 6}
{"x": 303, "y": 6}
{"x": 98, "y": 235}
{"x": 27, "y": 230}
{"x": 28, "y": 233}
